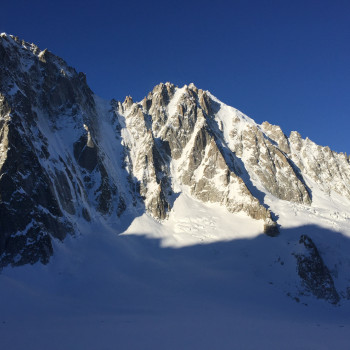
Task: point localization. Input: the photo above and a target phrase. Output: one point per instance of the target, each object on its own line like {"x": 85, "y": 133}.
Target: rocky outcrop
{"x": 313, "y": 272}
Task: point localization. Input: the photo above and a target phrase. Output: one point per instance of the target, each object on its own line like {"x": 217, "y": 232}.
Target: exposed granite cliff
{"x": 51, "y": 170}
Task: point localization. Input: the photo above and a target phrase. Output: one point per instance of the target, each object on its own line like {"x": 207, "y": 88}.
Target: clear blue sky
{"x": 287, "y": 62}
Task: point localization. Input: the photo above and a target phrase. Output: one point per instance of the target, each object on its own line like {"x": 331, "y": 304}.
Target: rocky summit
{"x": 68, "y": 155}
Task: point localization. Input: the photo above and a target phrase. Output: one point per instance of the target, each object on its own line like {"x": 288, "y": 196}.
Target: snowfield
{"x": 204, "y": 279}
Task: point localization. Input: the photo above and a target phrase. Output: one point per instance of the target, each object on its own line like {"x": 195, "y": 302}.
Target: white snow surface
{"x": 192, "y": 222}
{"x": 204, "y": 279}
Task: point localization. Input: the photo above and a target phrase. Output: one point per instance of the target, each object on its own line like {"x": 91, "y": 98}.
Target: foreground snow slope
{"x": 176, "y": 285}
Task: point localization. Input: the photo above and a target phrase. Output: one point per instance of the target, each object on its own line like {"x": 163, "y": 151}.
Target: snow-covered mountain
{"x": 180, "y": 167}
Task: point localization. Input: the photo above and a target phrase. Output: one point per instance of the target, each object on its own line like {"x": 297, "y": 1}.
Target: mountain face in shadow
{"x": 102, "y": 289}
{"x": 70, "y": 160}
{"x": 290, "y": 264}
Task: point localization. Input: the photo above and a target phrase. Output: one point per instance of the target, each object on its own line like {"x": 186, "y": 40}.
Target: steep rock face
{"x": 265, "y": 161}
{"x": 146, "y": 159}
{"x": 169, "y": 135}
{"x": 329, "y": 169}
{"x": 28, "y": 201}
{"x": 50, "y": 171}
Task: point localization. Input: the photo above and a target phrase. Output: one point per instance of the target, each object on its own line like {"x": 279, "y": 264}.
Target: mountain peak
{"x": 69, "y": 158}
